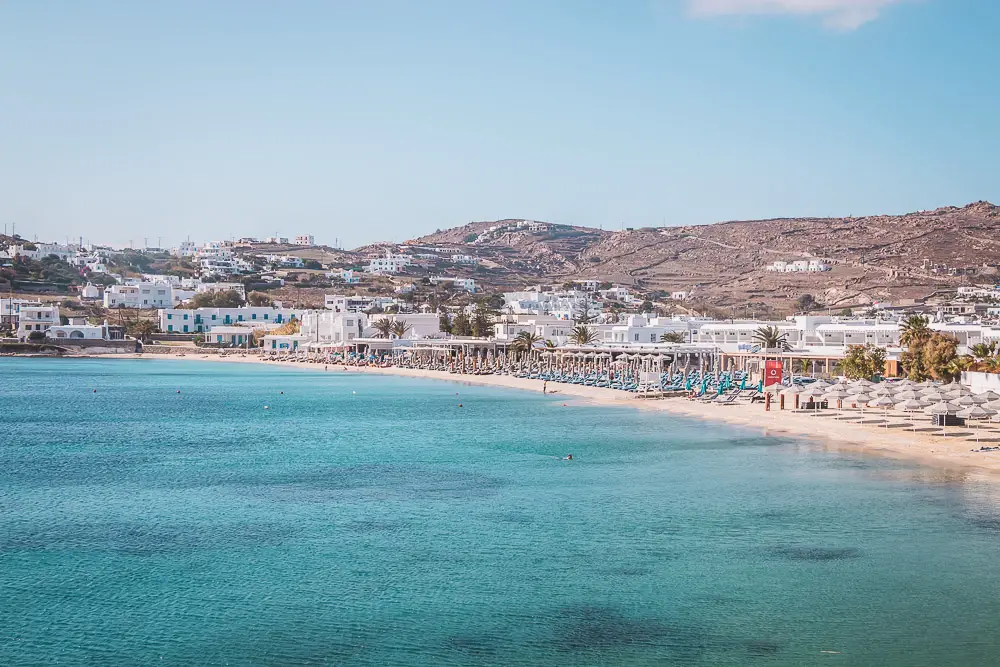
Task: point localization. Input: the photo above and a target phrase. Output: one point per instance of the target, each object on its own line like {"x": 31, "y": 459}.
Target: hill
{"x": 873, "y": 258}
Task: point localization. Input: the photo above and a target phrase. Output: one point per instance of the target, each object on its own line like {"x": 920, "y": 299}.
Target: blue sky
{"x": 384, "y": 120}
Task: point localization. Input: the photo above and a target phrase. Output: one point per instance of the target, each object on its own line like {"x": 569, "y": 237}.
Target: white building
{"x": 90, "y": 292}
{"x": 185, "y": 249}
{"x": 36, "y": 318}
{"x": 229, "y": 336}
{"x": 389, "y": 264}
{"x": 285, "y": 342}
{"x": 467, "y": 284}
{"x": 797, "y": 266}
{"x": 78, "y": 331}
{"x": 276, "y": 240}
{"x": 214, "y": 288}
{"x": 305, "y": 239}
{"x": 356, "y": 304}
{"x": 465, "y": 259}
{"x": 10, "y": 309}
{"x": 203, "y": 320}
{"x": 142, "y": 295}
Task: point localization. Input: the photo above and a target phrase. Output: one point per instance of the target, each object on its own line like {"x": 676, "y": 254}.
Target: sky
{"x": 383, "y": 120}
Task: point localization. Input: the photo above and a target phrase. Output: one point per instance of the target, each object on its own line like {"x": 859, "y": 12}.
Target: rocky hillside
{"x": 873, "y": 258}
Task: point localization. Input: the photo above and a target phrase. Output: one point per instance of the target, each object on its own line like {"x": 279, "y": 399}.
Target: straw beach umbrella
{"x": 882, "y": 402}
{"x": 977, "y": 414}
{"x": 942, "y": 408}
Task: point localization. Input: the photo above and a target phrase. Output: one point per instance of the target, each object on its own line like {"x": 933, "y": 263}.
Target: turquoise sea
{"x": 170, "y": 519}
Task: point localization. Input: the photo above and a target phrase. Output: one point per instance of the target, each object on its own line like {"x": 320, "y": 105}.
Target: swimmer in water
{"x": 569, "y": 457}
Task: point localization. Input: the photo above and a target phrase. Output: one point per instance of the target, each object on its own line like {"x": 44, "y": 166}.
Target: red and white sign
{"x": 772, "y": 372}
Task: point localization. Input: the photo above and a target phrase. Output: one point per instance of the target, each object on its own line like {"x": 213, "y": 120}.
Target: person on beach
{"x": 545, "y": 387}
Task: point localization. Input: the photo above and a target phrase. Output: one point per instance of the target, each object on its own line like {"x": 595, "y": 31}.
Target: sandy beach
{"x": 925, "y": 445}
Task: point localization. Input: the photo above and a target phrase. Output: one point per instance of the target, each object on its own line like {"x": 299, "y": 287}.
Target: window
{"x": 213, "y": 317}
{"x": 637, "y": 338}
{"x": 652, "y": 338}
{"x": 185, "y": 317}
{"x": 169, "y": 316}
{"x": 170, "y": 327}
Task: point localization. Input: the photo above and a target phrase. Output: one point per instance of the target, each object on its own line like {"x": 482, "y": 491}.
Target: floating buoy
{"x": 267, "y": 407}
{"x": 459, "y": 405}
{"x": 564, "y": 405}
{"x": 178, "y": 391}
{"x": 95, "y": 391}
{"x": 354, "y": 392}
{"x": 282, "y": 393}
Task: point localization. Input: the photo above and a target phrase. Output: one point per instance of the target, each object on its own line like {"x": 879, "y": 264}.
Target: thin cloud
{"x": 837, "y": 14}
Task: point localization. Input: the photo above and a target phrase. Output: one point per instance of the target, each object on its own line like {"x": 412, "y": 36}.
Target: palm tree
{"x": 991, "y": 365}
{"x": 983, "y": 351}
{"x": 525, "y": 341}
{"x": 583, "y": 335}
{"x": 400, "y": 328}
{"x": 915, "y": 330}
{"x": 770, "y": 338}
{"x": 383, "y": 327}
{"x": 549, "y": 345}
{"x": 674, "y": 337}
{"x": 141, "y": 330}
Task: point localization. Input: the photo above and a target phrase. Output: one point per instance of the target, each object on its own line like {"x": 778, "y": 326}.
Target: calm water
{"x": 371, "y": 521}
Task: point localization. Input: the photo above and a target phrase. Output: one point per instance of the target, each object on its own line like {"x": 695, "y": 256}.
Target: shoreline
{"x": 919, "y": 447}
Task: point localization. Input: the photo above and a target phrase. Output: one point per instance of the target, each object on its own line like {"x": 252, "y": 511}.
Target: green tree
{"x": 141, "y": 329}
{"x": 227, "y": 299}
{"x": 863, "y": 361}
{"x": 583, "y": 335}
{"x": 383, "y": 327}
{"x": 674, "y": 337}
{"x": 259, "y": 299}
{"x": 646, "y": 307}
{"x": 914, "y": 331}
{"x": 444, "y": 322}
{"x": 525, "y": 341}
{"x": 806, "y": 302}
{"x": 400, "y": 328}
{"x": 770, "y": 338}
{"x": 482, "y": 320}
{"x": 461, "y": 325}
{"x": 940, "y": 353}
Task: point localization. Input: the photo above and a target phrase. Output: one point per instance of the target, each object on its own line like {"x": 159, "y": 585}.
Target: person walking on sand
{"x": 545, "y": 386}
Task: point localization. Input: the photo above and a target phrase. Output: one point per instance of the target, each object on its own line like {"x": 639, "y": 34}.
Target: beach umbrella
{"x": 860, "y": 400}
{"x": 882, "y": 390}
{"x": 996, "y": 419}
{"x": 906, "y": 395}
{"x": 882, "y": 402}
{"x": 932, "y": 396}
{"x": 840, "y": 386}
{"x": 989, "y": 395}
{"x": 942, "y": 408}
{"x": 976, "y": 413}
{"x": 836, "y": 394}
{"x": 993, "y": 405}
{"x": 964, "y": 401}
{"x": 910, "y": 406}
{"x": 857, "y": 389}
{"x": 820, "y": 384}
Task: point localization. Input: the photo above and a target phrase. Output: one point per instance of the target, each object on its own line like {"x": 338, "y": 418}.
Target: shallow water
{"x": 370, "y": 520}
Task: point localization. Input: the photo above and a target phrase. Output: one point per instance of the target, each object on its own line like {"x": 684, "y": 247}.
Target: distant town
{"x": 286, "y": 294}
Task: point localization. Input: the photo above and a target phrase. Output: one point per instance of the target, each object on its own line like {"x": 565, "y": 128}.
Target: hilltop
{"x": 873, "y": 258}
